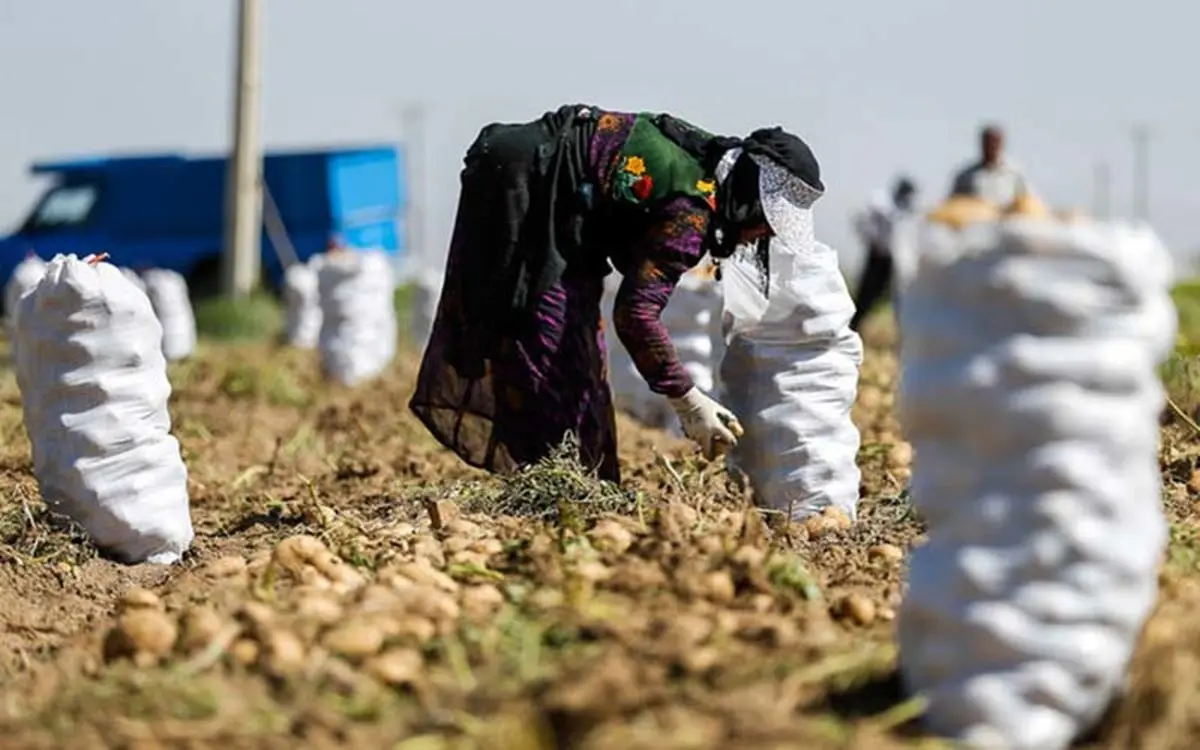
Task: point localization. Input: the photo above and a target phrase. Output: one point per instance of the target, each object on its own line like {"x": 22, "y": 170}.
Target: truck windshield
{"x": 63, "y": 207}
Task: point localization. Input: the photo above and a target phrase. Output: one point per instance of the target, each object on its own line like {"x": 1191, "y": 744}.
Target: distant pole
{"x": 1102, "y": 195}
{"x": 413, "y": 124}
{"x": 1141, "y": 173}
{"x": 242, "y": 259}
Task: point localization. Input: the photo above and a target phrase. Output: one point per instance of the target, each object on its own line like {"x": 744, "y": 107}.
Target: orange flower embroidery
{"x": 608, "y": 123}
{"x": 649, "y": 272}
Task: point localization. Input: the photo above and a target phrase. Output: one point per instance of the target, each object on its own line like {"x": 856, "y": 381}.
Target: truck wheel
{"x": 205, "y": 280}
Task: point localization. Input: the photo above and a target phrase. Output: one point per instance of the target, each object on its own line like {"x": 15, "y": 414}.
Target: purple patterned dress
{"x": 553, "y": 379}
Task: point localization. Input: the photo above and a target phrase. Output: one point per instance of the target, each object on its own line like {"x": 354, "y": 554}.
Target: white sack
{"x": 358, "y": 315}
{"x": 427, "y": 292}
{"x": 24, "y": 278}
{"x": 630, "y": 393}
{"x": 691, "y": 313}
{"x": 94, "y": 388}
{"x": 168, "y": 293}
{"x": 790, "y": 374}
{"x": 302, "y": 300}
{"x": 133, "y": 277}
{"x": 689, "y": 317}
{"x": 1030, "y": 395}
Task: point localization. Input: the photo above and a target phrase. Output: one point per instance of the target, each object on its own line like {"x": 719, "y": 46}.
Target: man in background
{"x": 992, "y": 177}
{"x": 875, "y": 227}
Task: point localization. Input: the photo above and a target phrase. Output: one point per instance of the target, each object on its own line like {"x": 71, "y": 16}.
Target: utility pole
{"x": 1141, "y": 173}
{"x": 413, "y": 124}
{"x": 242, "y": 259}
{"x": 1102, "y": 187}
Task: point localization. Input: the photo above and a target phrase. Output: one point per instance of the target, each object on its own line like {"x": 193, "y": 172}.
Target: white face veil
{"x": 786, "y": 203}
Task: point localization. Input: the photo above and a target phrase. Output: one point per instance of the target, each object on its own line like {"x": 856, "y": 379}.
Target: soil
{"x": 353, "y": 585}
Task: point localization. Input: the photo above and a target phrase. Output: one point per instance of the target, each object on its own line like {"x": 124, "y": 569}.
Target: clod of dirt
{"x": 470, "y": 558}
{"x": 259, "y": 562}
{"x": 889, "y": 553}
{"x": 676, "y": 521}
{"x": 428, "y": 550}
{"x": 419, "y": 630}
{"x": 592, "y": 571}
{"x": 487, "y": 547}
{"x": 319, "y": 515}
{"x": 378, "y": 599}
{"x": 731, "y": 524}
{"x": 244, "y": 651}
{"x": 424, "y": 575}
{"x": 611, "y": 685}
{"x": 720, "y": 587}
{"x": 355, "y": 640}
{"x": 456, "y": 544}
{"x": 226, "y": 567}
{"x": 856, "y": 608}
{"x": 320, "y": 607}
{"x": 481, "y": 602}
{"x": 768, "y": 630}
{"x": 549, "y": 599}
{"x": 1194, "y": 482}
{"x": 401, "y": 531}
{"x": 295, "y": 552}
{"x": 283, "y": 653}
{"x": 750, "y": 557}
{"x": 609, "y": 535}
{"x": 461, "y": 527}
{"x": 139, "y": 598}
{"x": 710, "y": 545}
{"x": 819, "y": 526}
{"x": 200, "y": 626}
{"x": 143, "y": 635}
{"x": 300, "y": 554}
{"x": 870, "y": 398}
{"x": 256, "y": 615}
{"x": 398, "y": 666}
{"x": 687, "y": 630}
{"x": 762, "y": 602}
{"x": 634, "y": 574}
{"x": 901, "y": 455}
{"x": 436, "y": 606}
{"x": 701, "y": 660}
{"x": 837, "y": 518}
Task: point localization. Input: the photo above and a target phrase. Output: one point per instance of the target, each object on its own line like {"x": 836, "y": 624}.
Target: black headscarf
{"x": 738, "y": 197}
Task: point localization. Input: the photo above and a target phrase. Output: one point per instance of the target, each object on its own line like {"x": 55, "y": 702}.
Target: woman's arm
{"x": 673, "y": 245}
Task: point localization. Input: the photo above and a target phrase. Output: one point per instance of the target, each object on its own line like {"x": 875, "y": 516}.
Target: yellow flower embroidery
{"x": 706, "y": 186}
{"x": 635, "y": 166}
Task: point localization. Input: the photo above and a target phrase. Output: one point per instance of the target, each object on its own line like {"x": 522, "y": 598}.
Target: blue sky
{"x": 874, "y": 86}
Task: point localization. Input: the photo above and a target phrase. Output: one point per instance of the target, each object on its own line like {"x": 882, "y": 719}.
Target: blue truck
{"x": 168, "y": 211}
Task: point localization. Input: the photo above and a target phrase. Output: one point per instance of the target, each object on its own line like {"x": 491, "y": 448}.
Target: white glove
{"x": 708, "y": 423}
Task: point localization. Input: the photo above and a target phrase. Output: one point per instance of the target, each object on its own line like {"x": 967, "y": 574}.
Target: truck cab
{"x": 168, "y": 211}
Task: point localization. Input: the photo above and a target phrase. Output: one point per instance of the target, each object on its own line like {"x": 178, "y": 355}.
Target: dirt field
{"x": 353, "y": 586}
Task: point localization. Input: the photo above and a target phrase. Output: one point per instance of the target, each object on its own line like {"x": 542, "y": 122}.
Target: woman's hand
{"x": 708, "y": 423}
